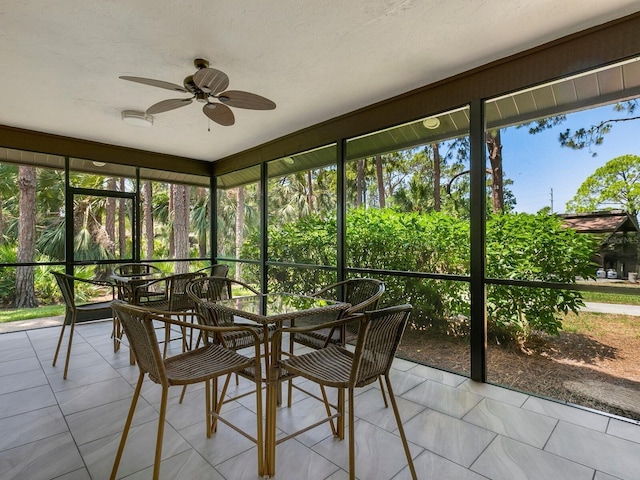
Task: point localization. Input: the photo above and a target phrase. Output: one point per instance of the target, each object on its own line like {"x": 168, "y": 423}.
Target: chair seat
{"x": 89, "y": 307}
{"x": 239, "y": 340}
{"x": 203, "y": 363}
{"x": 329, "y": 366}
{"x": 155, "y": 304}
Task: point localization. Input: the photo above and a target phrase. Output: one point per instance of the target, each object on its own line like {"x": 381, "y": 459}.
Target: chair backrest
{"x": 65, "y": 283}
{"x": 206, "y": 290}
{"x": 138, "y": 326}
{"x": 379, "y": 335}
{"x": 131, "y": 269}
{"x": 216, "y": 270}
{"x": 362, "y": 293}
{"x": 177, "y": 285}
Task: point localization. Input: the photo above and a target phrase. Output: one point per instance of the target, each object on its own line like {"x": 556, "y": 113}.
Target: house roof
{"x": 601, "y": 222}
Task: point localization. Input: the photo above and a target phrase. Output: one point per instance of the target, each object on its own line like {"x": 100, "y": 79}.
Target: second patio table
{"x": 267, "y": 310}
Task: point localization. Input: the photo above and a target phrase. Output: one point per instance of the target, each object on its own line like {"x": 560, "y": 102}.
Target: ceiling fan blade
{"x": 240, "y": 99}
{"x": 155, "y": 83}
{"x": 211, "y": 80}
{"x": 219, "y": 113}
{"x": 166, "y": 105}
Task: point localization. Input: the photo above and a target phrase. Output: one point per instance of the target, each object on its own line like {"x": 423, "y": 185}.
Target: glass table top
{"x": 274, "y": 307}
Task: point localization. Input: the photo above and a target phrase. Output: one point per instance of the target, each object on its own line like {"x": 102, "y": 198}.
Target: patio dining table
{"x": 129, "y": 284}
{"x": 267, "y": 310}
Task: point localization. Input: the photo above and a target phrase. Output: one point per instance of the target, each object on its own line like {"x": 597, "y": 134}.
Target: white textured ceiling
{"x": 317, "y": 59}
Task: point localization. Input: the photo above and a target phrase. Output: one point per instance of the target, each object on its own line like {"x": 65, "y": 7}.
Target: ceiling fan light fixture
{"x": 134, "y": 117}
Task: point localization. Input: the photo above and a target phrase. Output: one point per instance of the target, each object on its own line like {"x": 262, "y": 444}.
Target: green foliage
{"x": 519, "y": 246}
{"x": 8, "y": 254}
{"x": 616, "y": 184}
{"x": 533, "y": 247}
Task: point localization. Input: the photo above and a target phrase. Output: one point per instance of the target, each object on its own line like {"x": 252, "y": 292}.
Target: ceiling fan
{"x": 206, "y": 84}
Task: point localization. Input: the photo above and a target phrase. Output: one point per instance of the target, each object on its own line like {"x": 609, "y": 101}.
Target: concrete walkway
{"x": 31, "y": 324}
{"x": 633, "y": 310}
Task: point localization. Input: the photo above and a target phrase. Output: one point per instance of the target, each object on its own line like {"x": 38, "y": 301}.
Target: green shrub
{"x": 519, "y": 246}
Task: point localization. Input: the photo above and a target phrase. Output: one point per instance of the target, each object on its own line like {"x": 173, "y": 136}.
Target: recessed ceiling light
{"x": 140, "y": 119}
{"x": 431, "y": 123}
{"x": 99, "y": 164}
{"x": 289, "y": 160}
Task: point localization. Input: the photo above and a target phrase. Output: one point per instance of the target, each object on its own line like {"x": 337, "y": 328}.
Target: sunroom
{"x": 449, "y": 193}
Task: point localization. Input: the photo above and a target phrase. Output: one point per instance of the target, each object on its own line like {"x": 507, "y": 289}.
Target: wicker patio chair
{"x": 379, "y": 335}
{"x": 127, "y": 289}
{"x": 363, "y": 294}
{"x": 66, "y": 284}
{"x": 175, "y": 299}
{"x": 203, "y": 293}
{"x": 133, "y": 269}
{"x": 210, "y": 289}
{"x": 204, "y": 364}
{"x": 215, "y": 270}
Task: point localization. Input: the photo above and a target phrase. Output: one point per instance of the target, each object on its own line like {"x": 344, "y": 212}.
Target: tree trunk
{"x": 110, "y": 218}
{"x": 381, "y": 194}
{"x": 172, "y": 245}
{"x": 181, "y": 226}
{"x": 310, "y": 191}
{"x": 147, "y": 211}
{"x": 239, "y": 229}
{"x": 360, "y": 183}
{"x": 1, "y": 221}
{"x": 122, "y": 225}
{"x": 436, "y": 177}
{"x": 202, "y": 234}
{"x": 494, "y": 148}
{"x": 25, "y": 291}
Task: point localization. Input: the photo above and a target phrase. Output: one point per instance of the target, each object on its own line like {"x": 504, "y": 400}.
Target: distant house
{"x": 617, "y": 233}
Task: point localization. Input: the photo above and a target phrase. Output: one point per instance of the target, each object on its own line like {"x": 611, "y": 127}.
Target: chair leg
{"x": 208, "y": 406}
{"x": 127, "y": 425}
{"x": 400, "y": 428}
{"x": 64, "y": 325}
{"x": 116, "y": 333}
{"x": 327, "y": 408}
{"x": 341, "y": 412}
{"x": 163, "y": 414}
{"x": 184, "y": 391}
{"x": 66, "y": 363}
{"x": 352, "y": 438}
{"x": 384, "y": 397}
{"x": 55, "y": 357}
{"x": 260, "y": 423}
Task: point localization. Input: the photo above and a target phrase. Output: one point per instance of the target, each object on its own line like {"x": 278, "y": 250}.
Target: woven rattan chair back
{"x": 215, "y": 270}
{"x": 131, "y": 269}
{"x": 142, "y": 340}
{"x": 219, "y": 270}
{"x": 379, "y": 335}
{"x": 65, "y": 283}
{"x": 179, "y": 300}
{"x": 210, "y": 289}
{"x": 362, "y": 293}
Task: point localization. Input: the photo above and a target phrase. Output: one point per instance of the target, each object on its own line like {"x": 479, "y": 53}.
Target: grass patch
{"x": 601, "y": 324}
{"x": 16, "y": 314}
{"x": 620, "y": 298}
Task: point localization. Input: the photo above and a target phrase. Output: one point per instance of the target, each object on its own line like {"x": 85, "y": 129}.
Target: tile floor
{"x": 52, "y": 428}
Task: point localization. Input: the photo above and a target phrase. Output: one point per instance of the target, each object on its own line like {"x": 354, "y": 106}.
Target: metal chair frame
{"x": 66, "y": 284}
{"x": 204, "y": 364}
{"x": 379, "y": 335}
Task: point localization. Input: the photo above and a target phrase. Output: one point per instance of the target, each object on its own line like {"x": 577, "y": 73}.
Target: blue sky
{"x": 537, "y": 163}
